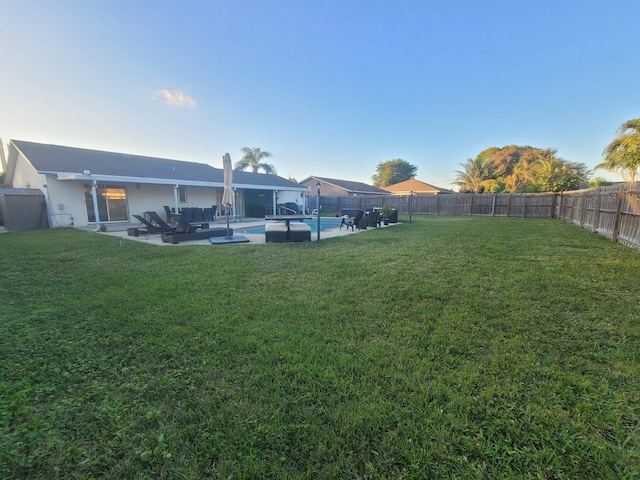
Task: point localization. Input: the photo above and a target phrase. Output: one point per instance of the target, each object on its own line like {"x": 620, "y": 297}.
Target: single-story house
{"x": 414, "y": 186}
{"x": 338, "y": 188}
{"x": 89, "y": 187}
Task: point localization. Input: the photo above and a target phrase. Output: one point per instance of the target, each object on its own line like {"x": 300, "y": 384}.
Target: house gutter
{"x": 70, "y": 176}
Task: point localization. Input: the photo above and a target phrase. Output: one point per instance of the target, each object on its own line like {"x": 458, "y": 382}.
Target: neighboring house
{"x": 334, "y": 187}
{"x": 80, "y": 185}
{"x": 414, "y": 186}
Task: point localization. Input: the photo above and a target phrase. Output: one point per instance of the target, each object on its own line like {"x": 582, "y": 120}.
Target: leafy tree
{"x": 392, "y": 172}
{"x": 553, "y": 174}
{"x": 622, "y": 155}
{"x": 253, "y": 159}
{"x": 477, "y": 175}
{"x": 520, "y": 169}
{"x": 599, "y": 182}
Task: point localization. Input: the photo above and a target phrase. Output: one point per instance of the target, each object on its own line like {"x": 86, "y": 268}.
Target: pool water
{"x": 325, "y": 224}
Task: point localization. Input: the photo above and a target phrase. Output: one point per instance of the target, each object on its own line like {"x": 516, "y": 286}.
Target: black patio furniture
{"x": 164, "y": 226}
{"x": 373, "y": 219}
{"x": 185, "y": 231}
{"x": 351, "y": 222}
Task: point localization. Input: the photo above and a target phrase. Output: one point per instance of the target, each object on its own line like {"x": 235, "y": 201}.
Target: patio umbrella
{"x": 228, "y": 199}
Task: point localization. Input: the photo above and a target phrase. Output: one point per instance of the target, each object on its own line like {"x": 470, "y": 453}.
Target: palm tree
{"x": 476, "y": 177}
{"x": 622, "y": 155}
{"x": 553, "y": 174}
{"x": 253, "y": 159}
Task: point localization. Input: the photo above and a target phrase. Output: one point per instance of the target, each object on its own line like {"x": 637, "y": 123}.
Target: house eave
{"x": 72, "y": 176}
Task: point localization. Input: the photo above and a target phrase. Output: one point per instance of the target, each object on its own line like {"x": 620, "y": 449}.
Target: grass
{"x": 452, "y": 347}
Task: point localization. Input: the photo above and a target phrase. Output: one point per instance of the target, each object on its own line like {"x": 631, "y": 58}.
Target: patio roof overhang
{"x": 82, "y": 177}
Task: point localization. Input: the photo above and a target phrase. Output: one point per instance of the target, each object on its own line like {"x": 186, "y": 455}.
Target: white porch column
{"x": 96, "y": 210}
{"x": 233, "y": 208}
{"x": 175, "y": 198}
{"x": 275, "y": 201}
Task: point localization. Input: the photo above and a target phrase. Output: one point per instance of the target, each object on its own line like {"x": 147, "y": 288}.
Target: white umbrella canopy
{"x": 228, "y": 199}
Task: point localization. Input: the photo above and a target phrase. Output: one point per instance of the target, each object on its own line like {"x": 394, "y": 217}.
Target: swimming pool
{"x": 325, "y": 224}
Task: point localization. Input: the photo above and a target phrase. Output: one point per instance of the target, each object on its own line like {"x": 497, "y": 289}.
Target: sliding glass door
{"x": 112, "y": 203}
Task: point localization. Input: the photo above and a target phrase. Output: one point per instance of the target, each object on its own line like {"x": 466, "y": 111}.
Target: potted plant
{"x": 385, "y": 213}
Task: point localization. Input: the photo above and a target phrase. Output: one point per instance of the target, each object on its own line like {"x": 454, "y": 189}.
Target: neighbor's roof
{"x": 55, "y": 159}
{"x": 415, "y": 186}
{"x": 354, "y": 187}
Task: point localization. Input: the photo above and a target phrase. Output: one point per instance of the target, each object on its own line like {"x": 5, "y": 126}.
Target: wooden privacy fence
{"x": 613, "y": 211}
{"x": 530, "y": 205}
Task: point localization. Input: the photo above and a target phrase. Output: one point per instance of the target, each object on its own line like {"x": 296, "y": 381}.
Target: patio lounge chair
{"x": 164, "y": 226}
{"x": 168, "y": 212}
{"x": 351, "y": 221}
{"x": 186, "y": 231}
{"x": 145, "y": 227}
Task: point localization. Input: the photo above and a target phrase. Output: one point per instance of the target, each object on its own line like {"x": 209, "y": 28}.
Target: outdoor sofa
{"x": 277, "y": 232}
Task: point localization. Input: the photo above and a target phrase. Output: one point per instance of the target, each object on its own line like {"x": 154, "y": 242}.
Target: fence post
{"x": 596, "y": 214}
{"x": 553, "y": 205}
{"x": 616, "y": 223}
{"x": 524, "y": 205}
{"x": 583, "y": 213}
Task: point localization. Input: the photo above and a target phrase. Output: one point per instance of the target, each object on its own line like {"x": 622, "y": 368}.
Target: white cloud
{"x": 176, "y": 98}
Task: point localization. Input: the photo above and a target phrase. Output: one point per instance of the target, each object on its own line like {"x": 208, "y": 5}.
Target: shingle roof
{"x": 355, "y": 187}
{"x": 60, "y": 159}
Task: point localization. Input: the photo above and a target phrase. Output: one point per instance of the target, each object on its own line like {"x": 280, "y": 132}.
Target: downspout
{"x": 96, "y": 210}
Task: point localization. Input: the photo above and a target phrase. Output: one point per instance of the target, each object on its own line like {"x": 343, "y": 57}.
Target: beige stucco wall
{"x": 65, "y": 201}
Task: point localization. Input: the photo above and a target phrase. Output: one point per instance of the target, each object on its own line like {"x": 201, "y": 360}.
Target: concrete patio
{"x": 120, "y": 230}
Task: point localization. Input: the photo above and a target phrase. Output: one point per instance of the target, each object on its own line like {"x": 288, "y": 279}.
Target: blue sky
{"x": 331, "y": 88}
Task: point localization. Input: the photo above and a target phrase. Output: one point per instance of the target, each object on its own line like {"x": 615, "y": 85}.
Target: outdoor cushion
{"x": 299, "y": 227}
{"x": 275, "y": 232}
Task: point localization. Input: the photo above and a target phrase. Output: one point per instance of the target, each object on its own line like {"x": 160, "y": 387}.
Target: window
{"x": 182, "y": 191}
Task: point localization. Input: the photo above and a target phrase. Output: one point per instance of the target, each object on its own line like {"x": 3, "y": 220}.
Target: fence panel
{"x": 613, "y": 211}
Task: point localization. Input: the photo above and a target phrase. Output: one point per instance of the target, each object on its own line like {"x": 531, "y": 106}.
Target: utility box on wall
{"x": 22, "y": 209}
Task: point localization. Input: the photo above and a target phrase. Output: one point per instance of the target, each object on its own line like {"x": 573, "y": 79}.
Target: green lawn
{"x": 452, "y": 347}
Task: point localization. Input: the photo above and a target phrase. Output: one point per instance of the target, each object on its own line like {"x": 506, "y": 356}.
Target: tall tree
{"x": 392, "y": 172}
{"x": 553, "y": 174}
{"x": 253, "y": 159}
{"x": 622, "y": 155}
{"x": 476, "y": 176}
{"x": 520, "y": 169}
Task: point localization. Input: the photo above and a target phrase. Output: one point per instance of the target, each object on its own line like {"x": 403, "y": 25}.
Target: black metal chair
{"x": 351, "y": 222}
{"x": 373, "y": 219}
